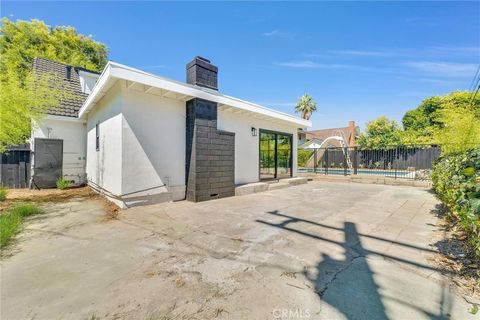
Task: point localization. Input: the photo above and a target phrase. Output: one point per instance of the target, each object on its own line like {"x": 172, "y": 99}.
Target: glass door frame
{"x": 276, "y": 133}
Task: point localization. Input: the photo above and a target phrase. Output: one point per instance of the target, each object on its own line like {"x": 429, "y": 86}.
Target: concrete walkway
{"x": 317, "y": 251}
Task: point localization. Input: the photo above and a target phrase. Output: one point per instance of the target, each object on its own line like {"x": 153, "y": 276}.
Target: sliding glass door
{"x": 275, "y": 155}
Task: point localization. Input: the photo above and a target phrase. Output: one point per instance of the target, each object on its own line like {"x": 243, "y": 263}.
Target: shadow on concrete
{"x": 348, "y": 284}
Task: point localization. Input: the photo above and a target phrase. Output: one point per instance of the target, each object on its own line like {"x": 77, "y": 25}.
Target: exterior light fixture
{"x": 254, "y": 132}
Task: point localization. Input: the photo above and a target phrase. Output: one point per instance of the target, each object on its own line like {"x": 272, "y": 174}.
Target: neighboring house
{"x": 140, "y": 138}
{"x": 348, "y": 133}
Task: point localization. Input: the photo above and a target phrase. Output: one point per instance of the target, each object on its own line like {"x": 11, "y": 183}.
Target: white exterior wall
{"x": 73, "y": 133}
{"x": 104, "y": 167}
{"x": 247, "y": 146}
{"x": 142, "y": 146}
{"x": 153, "y": 138}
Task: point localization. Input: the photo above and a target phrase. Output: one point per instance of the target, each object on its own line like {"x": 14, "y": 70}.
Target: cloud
{"x": 317, "y": 55}
{"x": 437, "y": 81}
{"x": 455, "y": 50}
{"x": 306, "y": 64}
{"x": 365, "y": 53}
{"x": 282, "y": 34}
{"x": 432, "y": 51}
{"x": 434, "y": 81}
{"x": 271, "y": 33}
{"x": 452, "y": 69}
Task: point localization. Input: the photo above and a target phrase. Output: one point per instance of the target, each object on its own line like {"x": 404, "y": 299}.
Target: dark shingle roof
{"x": 70, "y": 82}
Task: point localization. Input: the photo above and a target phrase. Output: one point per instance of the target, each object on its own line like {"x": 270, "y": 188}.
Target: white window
{"x": 87, "y": 81}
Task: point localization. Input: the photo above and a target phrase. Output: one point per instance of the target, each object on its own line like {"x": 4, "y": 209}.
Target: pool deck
{"x": 368, "y": 179}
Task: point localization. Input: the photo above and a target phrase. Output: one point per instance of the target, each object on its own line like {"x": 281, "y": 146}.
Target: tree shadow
{"x": 348, "y": 284}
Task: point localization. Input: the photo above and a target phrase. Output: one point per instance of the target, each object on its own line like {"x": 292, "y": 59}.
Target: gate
{"x": 47, "y": 162}
{"x": 15, "y": 166}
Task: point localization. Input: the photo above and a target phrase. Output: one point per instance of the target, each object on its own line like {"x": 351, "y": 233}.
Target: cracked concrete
{"x": 336, "y": 250}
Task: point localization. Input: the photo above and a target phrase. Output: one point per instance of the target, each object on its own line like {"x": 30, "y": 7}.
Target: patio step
{"x": 370, "y": 180}
{"x": 250, "y": 188}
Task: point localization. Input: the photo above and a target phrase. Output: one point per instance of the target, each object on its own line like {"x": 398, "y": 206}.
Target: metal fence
{"x": 406, "y": 162}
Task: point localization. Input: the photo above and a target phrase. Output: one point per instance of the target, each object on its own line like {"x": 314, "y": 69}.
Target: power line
{"x": 475, "y": 85}
{"x": 473, "y": 98}
{"x": 472, "y": 85}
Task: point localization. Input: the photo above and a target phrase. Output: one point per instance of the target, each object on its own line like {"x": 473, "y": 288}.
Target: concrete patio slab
{"x": 321, "y": 250}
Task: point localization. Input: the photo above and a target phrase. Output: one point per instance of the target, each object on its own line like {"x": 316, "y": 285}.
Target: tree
{"x": 25, "y": 95}
{"x": 22, "y": 102}
{"x": 460, "y": 130}
{"x": 21, "y": 41}
{"x": 306, "y": 106}
{"x": 421, "y": 124}
{"x": 380, "y": 133}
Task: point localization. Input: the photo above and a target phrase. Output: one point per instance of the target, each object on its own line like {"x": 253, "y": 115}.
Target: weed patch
{"x": 63, "y": 184}
{"x": 11, "y": 221}
{"x": 10, "y": 225}
{"x": 3, "y": 193}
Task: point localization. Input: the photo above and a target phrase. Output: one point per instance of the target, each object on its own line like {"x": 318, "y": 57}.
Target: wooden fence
{"x": 15, "y": 167}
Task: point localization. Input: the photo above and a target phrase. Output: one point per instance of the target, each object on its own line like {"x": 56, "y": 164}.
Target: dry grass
{"x": 56, "y": 195}
{"x": 44, "y": 195}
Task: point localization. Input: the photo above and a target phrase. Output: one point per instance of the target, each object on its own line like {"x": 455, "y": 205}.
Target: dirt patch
{"x": 111, "y": 209}
{"x": 56, "y": 195}
{"x": 457, "y": 256}
{"x": 44, "y": 195}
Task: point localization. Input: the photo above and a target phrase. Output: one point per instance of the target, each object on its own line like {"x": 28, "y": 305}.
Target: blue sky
{"x": 359, "y": 60}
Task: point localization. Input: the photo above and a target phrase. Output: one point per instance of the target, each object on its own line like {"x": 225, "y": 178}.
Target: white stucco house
{"x": 137, "y": 137}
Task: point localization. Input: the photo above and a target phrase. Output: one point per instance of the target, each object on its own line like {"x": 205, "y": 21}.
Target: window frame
{"x": 97, "y": 136}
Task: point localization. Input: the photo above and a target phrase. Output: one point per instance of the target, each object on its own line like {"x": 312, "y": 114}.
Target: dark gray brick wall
{"x": 202, "y": 73}
{"x": 210, "y": 163}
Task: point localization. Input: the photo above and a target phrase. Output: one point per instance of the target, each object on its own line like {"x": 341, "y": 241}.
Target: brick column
{"x": 210, "y": 154}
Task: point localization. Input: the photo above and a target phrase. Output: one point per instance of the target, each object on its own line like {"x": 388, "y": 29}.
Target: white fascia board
{"x": 64, "y": 118}
{"x": 119, "y": 71}
{"x": 95, "y": 94}
{"x": 84, "y": 73}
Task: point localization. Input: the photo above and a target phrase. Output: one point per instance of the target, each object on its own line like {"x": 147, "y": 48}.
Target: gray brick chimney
{"x": 210, "y": 153}
{"x": 202, "y": 73}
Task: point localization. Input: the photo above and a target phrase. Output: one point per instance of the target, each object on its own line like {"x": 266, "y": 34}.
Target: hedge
{"x": 303, "y": 157}
{"x": 456, "y": 180}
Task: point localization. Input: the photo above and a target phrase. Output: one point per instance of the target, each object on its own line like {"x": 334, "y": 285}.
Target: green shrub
{"x": 456, "y": 179}
{"x": 303, "y": 157}
{"x": 63, "y": 184}
{"x": 11, "y": 221}
{"x": 3, "y": 193}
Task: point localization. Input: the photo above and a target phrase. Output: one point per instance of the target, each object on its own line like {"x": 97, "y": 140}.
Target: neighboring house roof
{"x": 311, "y": 144}
{"x": 153, "y": 84}
{"x": 322, "y": 134}
{"x": 70, "y": 82}
{"x": 325, "y": 133}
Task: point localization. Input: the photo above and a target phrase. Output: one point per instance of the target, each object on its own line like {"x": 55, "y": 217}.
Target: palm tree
{"x": 306, "y": 106}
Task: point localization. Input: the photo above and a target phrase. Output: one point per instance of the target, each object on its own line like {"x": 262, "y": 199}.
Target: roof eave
{"x": 118, "y": 71}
